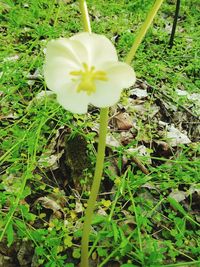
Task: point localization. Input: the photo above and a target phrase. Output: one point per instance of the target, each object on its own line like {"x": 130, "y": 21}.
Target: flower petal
{"x": 100, "y": 48}
{"x": 73, "y": 101}
{"x": 56, "y": 73}
{"x": 104, "y": 97}
{"x": 62, "y": 57}
{"x": 120, "y": 75}
{"x": 67, "y": 48}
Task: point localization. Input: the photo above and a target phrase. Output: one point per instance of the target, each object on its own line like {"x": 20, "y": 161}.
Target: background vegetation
{"x": 147, "y": 213}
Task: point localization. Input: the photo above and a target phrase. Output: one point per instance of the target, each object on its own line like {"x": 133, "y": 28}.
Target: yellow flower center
{"x": 88, "y": 77}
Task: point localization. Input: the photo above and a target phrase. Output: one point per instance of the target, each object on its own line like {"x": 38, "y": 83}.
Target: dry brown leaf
{"x": 123, "y": 121}
{"x": 50, "y": 203}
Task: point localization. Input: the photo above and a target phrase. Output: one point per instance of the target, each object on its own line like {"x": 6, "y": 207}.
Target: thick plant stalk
{"x": 95, "y": 186}
{"x": 85, "y": 15}
{"x": 145, "y": 26}
{"x": 99, "y": 160}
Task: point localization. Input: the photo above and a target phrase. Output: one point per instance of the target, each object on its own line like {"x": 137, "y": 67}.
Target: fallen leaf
{"x": 79, "y": 207}
{"x": 181, "y": 92}
{"x": 53, "y": 204}
{"x": 111, "y": 141}
{"x": 123, "y": 121}
{"x": 49, "y": 161}
{"x": 32, "y": 78}
{"x": 175, "y": 137}
{"x": 139, "y": 151}
{"x": 43, "y": 94}
{"x": 138, "y": 93}
{"x": 126, "y": 137}
{"x": 48, "y": 203}
{"x": 178, "y": 195}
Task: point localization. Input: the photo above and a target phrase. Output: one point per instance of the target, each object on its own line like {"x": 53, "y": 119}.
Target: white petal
{"x": 73, "y": 101}
{"x": 72, "y": 50}
{"x": 100, "y": 48}
{"x": 104, "y": 97}
{"x": 56, "y": 73}
{"x": 62, "y": 57}
{"x": 120, "y": 75}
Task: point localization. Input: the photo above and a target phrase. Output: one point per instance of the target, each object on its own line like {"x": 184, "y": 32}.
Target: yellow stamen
{"x": 88, "y": 76}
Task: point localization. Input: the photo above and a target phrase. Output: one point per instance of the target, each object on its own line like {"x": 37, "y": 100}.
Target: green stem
{"x": 99, "y": 162}
{"x": 95, "y": 186}
{"x": 145, "y": 26}
{"x": 85, "y": 15}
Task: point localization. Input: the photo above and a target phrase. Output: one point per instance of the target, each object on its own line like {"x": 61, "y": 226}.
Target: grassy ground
{"x": 143, "y": 219}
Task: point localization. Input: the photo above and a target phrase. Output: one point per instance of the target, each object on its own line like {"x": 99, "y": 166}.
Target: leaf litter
{"x": 129, "y": 129}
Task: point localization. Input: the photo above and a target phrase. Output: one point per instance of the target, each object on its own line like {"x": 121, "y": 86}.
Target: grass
{"x": 137, "y": 224}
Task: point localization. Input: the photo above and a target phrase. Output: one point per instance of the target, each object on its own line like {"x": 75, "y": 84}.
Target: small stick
{"x": 140, "y": 165}
{"x": 171, "y": 41}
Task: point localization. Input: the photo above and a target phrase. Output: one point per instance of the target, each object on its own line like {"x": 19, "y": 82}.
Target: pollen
{"x": 88, "y": 77}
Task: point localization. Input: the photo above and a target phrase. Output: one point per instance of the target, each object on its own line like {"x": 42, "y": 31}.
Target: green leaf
{"x": 98, "y": 219}
{"x": 40, "y": 251}
{"x": 102, "y": 252}
{"x": 178, "y": 207}
{"x": 76, "y": 253}
{"x": 68, "y": 241}
{"x": 115, "y": 231}
{"x": 10, "y": 234}
{"x": 26, "y": 192}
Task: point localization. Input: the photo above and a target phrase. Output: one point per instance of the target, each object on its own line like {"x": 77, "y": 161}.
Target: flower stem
{"x": 99, "y": 160}
{"x": 95, "y": 186}
{"x": 145, "y": 26}
{"x": 85, "y": 15}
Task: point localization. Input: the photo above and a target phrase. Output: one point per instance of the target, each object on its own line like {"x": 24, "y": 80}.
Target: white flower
{"x": 84, "y": 69}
